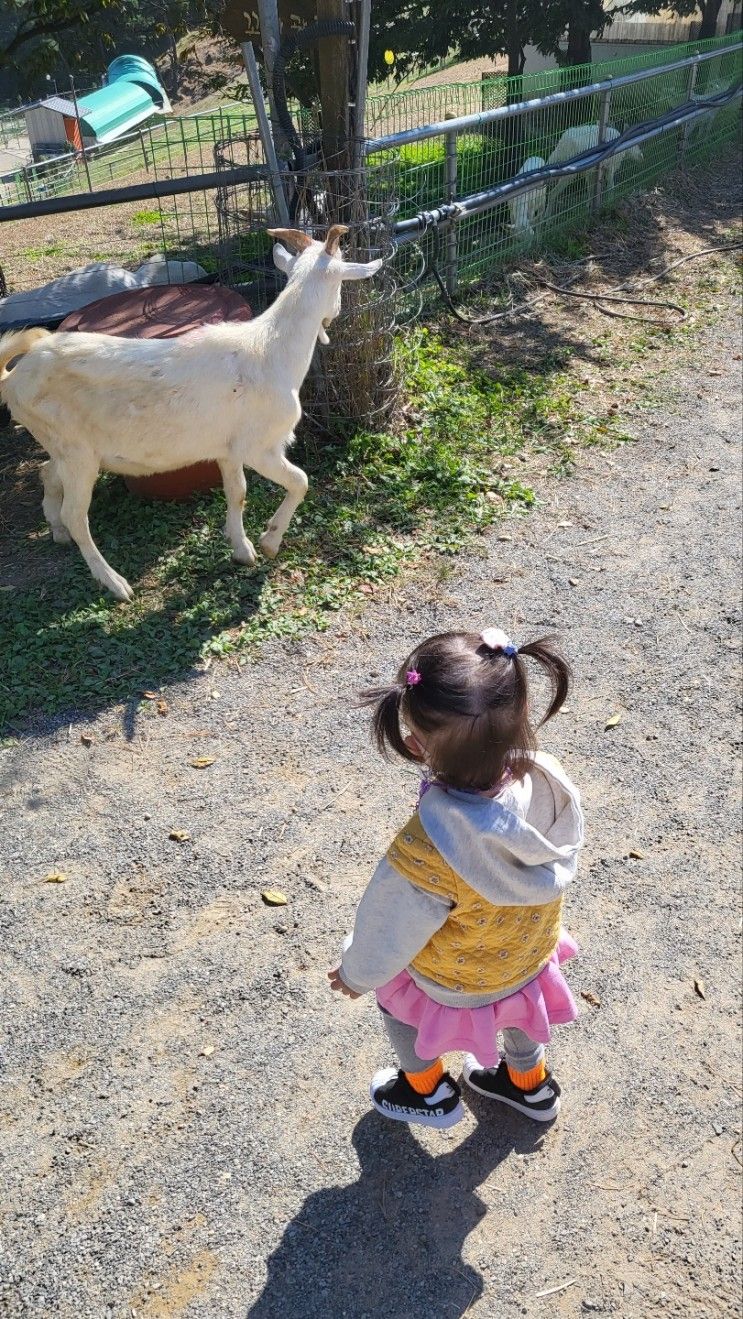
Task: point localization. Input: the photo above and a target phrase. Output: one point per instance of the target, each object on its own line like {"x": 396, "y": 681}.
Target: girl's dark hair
{"x": 470, "y": 705}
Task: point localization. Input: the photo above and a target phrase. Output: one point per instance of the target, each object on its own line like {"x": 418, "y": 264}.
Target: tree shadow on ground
{"x": 390, "y": 1245}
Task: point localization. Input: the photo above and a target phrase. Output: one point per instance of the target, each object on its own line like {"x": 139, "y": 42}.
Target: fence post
{"x": 451, "y": 196}
{"x": 693, "y": 70}
{"x": 604, "y": 110}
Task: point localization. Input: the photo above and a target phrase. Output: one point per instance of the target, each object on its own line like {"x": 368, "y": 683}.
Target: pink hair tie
{"x": 496, "y": 639}
{"x": 412, "y": 678}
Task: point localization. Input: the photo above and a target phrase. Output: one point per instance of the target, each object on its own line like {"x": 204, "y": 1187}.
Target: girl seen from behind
{"x": 459, "y": 930}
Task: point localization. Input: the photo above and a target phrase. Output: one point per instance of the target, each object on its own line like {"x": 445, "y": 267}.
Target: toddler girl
{"x": 459, "y": 929}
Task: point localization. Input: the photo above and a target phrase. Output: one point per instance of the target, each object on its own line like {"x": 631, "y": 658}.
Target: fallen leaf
{"x": 699, "y": 987}
{"x": 566, "y": 524}
{"x": 149, "y": 696}
{"x": 505, "y": 536}
{"x": 591, "y": 998}
{"x": 273, "y": 897}
{"x": 574, "y": 581}
{"x": 636, "y": 854}
{"x": 86, "y": 739}
{"x": 207, "y": 1050}
{"x": 55, "y": 877}
{"x": 202, "y": 762}
{"x": 162, "y": 707}
{"x": 612, "y": 721}
{"x": 714, "y": 372}
{"x": 179, "y": 835}
{"x": 366, "y": 589}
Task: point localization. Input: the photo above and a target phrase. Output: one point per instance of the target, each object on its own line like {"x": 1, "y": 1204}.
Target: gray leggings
{"x": 520, "y": 1052}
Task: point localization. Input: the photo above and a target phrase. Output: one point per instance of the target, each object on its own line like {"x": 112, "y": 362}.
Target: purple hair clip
{"x": 495, "y": 639}
{"x": 412, "y": 678}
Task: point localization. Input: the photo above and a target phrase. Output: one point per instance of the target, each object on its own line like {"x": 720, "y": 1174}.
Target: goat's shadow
{"x": 389, "y": 1246}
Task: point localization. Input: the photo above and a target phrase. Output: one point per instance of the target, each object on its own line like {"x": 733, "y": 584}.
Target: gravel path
{"x": 183, "y": 1124}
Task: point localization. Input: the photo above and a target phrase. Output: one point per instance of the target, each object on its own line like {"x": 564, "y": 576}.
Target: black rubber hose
{"x": 290, "y": 44}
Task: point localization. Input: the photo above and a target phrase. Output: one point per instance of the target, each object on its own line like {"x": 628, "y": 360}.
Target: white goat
{"x": 527, "y": 208}
{"x": 226, "y": 392}
{"x": 584, "y": 137}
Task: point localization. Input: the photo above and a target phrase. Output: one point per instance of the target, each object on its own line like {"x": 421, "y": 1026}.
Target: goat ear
{"x": 359, "y": 270}
{"x": 282, "y": 259}
{"x": 294, "y": 238}
{"x": 335, "y": 233}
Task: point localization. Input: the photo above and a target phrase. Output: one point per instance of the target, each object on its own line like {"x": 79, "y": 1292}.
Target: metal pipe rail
{"x": 86, "y": 201}
{"x": 468, "y": 123}
{"x": 406, "y": 231}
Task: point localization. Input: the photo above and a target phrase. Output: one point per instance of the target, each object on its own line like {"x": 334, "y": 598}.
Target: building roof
{"x": 57, "y": 103}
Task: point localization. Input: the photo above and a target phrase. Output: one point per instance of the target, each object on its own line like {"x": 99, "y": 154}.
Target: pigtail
{"x": 558, "y": 672}
{"x": 386, "y": 730}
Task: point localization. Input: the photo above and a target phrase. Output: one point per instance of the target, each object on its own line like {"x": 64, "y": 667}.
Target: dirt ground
{"x": 184, "y": 1125}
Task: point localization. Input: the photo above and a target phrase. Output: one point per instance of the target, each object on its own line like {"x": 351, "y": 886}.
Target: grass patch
{"x": 47, "y": 249}
{"x": 145, "y": 219}
{"x": 376, "y": 503}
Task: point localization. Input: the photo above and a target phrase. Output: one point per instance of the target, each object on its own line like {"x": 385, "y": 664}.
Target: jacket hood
{"x": 518, "y": 848}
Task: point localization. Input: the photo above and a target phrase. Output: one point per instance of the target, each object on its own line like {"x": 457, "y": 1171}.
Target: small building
{"x": 132, "y": 94}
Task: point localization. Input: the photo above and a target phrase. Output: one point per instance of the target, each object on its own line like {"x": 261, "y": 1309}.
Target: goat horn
{"x": 294, "y": 237}
{"x": 335, "y": 233}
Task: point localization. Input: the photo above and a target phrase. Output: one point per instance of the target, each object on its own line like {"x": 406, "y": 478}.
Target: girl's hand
{"x": 337, "y": 983}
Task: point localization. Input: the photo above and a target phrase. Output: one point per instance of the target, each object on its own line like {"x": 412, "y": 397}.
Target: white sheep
{"x": 527, "y": 208}
{"x": 228, "y": 392}
{"x": 584, "y": 137}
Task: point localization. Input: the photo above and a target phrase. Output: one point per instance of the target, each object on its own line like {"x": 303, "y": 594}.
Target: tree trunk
{"x": 710, "y": 12}
{"x": 174, "y": 71}
{"x": 579, "y": 34}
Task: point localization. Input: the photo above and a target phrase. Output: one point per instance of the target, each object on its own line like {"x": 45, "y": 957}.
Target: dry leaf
{"x": 149, "y": 696}
{"x": 636, "y": 854}
{"x": 179, "y": 835}
{"x": 699, "y": 987}
{"x": 162, "y": 707}
{"x": 207, "y": 1050}
{"x": 55, "y": 877}
{"x": 591, "y": 998}
{"x": 566, "y": 524}
{"x": 612, "y": 721}
{"x": 273, "y": 897}
{"x": 202, "y": 762}
{"x": 574, "y": 581}
{"x": 86, "y": 739}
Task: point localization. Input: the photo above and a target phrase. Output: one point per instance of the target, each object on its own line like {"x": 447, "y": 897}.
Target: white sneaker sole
{"x": 437, "y": 1120}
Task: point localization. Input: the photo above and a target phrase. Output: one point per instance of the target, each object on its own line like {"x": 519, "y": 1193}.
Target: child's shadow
{"x": 389, "y": 1246}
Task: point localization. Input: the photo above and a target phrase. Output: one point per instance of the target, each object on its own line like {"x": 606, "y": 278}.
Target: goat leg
{"x": 233, "y": 479}
{"x": 52, "y": 503}
{"x": 78, "y": 482}
{"x": 275, "y": 466}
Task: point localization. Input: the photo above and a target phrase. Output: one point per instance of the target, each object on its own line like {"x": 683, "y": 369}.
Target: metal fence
{"x": 583, "y": 148}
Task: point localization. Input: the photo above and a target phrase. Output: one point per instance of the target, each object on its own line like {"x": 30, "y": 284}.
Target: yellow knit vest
{"x": 480, "y": 948}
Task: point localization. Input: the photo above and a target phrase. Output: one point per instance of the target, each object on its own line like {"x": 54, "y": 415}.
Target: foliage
{"x": 420, "y": 33}
{"x": 376, "y": 502}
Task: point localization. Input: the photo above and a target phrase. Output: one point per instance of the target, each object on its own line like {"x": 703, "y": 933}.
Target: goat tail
{"x": 16, "y": 343}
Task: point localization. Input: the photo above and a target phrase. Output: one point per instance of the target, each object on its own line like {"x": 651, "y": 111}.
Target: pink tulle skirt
{"x": 545, "y": 1002}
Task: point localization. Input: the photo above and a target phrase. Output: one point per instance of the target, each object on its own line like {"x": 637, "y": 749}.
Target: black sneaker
{"x": 541, "y": 1104}
{"x": 393, "y": 1096}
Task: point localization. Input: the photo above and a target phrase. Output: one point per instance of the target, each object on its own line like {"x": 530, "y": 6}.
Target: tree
{"x": 419, "y": 32}
{"x": 709, "y": 9}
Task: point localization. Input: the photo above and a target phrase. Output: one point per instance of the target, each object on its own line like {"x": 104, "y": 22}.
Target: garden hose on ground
{"x": 564, "y": 290}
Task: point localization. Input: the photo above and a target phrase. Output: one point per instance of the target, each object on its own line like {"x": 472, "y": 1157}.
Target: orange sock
{"x": 528, "y": 1080}
{"x": 424, "y": 1082}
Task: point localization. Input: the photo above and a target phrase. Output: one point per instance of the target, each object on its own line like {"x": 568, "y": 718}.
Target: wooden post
{"x": 80, "y": 133}
{"x": 362, "y": 71}
{"x": 333, "y": 64}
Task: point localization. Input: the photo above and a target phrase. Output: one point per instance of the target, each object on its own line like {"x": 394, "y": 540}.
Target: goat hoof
{"x": 270, "y": 544}
{"x": 119, "y": 587}
{"x": 244, "y": 554}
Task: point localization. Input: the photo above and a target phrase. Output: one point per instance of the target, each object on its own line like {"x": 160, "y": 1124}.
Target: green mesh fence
{"x": 484, "y": 159}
